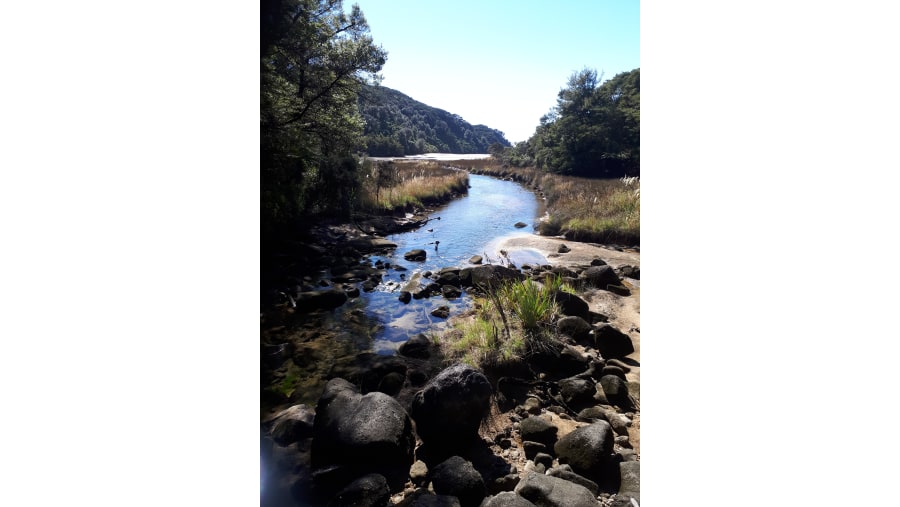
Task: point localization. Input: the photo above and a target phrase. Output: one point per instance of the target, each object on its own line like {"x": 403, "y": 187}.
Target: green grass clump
{"x": 510, "y": 321}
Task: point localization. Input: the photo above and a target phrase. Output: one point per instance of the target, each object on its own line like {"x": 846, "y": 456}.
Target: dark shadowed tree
{"x": 314, "y": 57}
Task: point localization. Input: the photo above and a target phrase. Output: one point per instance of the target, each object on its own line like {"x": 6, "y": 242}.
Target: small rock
{"x": 563, "y": 249}
{"x": 441, "y": 312}
{"x": 405, "y": 297}
{"x": 415, "y": 255}
{"x": 519, "y": 225}
{"x": 475, "y": 259}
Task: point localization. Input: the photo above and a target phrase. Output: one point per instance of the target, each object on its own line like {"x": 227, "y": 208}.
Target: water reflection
{"x": 454, "y": 233}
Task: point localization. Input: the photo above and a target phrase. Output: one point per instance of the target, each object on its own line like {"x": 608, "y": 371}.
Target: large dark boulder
{"x": 538, "y": 429}
{"x": 578, "y": 392}
{"x": 356, "y": 434}
{"x": 612, "y": 343}
{"x": 457, "y": 477}
{"x": 587, "y": 449}
{"x": 545, "y": 490}
{"x": 451, "y": 407}
{"x": 601, "y": 276}
{"x": 320, "y": 300}
{"x": 574, "y": 326}
{"x": 570, "y": 304}
{"x": 368, "y": 491}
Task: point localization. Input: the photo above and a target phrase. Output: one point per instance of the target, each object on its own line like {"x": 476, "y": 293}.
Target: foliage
{"x": 313, "y": 59}
{"x": 397, "y": 125}
{"x": 593, "y": 131}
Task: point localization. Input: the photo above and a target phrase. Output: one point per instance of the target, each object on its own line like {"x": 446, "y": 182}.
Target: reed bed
{"x": 404, "y": 185}
{"x": 582, "y": 209}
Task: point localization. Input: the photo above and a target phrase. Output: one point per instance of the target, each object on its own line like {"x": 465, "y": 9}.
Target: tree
{"x": 594, "y": 129}
{"x": 314, "y": 57}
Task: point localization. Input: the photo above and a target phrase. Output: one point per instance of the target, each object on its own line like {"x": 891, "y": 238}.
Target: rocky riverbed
{"x": 344, "y": 427}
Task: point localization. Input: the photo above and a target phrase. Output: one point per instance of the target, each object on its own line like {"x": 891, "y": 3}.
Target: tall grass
{"x": 490, "y": 338}
{"x": 582, "y": 209}
{"x": 403, "y": 185}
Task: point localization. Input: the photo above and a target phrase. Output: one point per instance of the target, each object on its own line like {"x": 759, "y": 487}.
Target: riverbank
{"x": 306, "y": 341}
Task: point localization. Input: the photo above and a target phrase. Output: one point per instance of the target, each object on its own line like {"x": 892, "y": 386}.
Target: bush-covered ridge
{"x": 396, "y": 125}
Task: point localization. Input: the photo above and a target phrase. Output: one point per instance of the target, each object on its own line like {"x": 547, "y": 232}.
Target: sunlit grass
{"x": 584, "y": 209}
{"x": 401, "y": 185}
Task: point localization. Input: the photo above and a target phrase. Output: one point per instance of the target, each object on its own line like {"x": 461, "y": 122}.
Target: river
{"x": 471, "y": 225}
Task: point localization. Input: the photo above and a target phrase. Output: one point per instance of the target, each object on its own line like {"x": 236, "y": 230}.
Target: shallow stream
{"x": 471, "y": 225}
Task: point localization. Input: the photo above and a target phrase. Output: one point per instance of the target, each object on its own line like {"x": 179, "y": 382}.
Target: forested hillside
{"x": 397, "y": 125}
{"x": 594, "y": 130}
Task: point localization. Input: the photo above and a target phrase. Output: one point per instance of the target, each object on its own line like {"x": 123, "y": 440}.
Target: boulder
{"x": 538, "y": 429}
{"x": 441, "y": 312}
{"x": 616, "y": 391}
{"x": 489, "y": 274}
{"x": 565, "y": 472}
{"x": 449, "y": 278}
{"x": 451, "y": 407}
{"x": 574, "y": 326}
{"x": 405, "y": 297}
{"x": 621, "y": 290}
{"x": 597, "y": 261}
{"x": 368, "y": 491}
{"x": 320, "y": 300}
{"x": 355, "y": 434}
{"x": 546, "y": 490}
{"x": 612, "y": 343}
{"x": 415, "y": 255}
{"x": 601, "y": 276}
{"x": 570, "y": 304}
{"x": 450, "y": 292}
{"x": 586, "y": 449}
{"x": 577, "y": 392}
{"x": 563, "y": 249}
{"x": 507, "y": 499}
{"x": 457, "y": 477}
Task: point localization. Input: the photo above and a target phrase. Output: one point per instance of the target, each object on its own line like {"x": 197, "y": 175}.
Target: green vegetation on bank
{"x": 593, "y": 131}
{"x": 397, "y": 125}
{"x": 510, "y": 321}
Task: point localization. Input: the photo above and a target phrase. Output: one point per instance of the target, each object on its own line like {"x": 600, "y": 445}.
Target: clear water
{"x": 471, "y": 225}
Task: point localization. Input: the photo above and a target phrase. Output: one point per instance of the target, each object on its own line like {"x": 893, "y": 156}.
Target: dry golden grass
{"x": 583, "y": 209}
{"x": 401, "y": 185}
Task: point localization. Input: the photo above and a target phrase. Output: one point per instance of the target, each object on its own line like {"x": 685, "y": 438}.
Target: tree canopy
{"x": 594, "y": 129}
{"x": 314, "y": 58}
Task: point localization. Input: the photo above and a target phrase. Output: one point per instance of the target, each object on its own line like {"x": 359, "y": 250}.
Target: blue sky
{"x": 500, "y": 63}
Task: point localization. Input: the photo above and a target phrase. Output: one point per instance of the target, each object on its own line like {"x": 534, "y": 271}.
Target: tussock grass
{"x": 404, "y": 185}
{"x": 489, "y": 338}
{"x": 581, "y": 209}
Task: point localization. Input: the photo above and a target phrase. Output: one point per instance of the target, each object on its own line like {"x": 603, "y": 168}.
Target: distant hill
{"x": 397, "y": 125}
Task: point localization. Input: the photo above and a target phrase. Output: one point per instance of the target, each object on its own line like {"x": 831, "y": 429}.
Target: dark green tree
{"x": 314, "y": 58}
{"x": 594, "y": 129}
